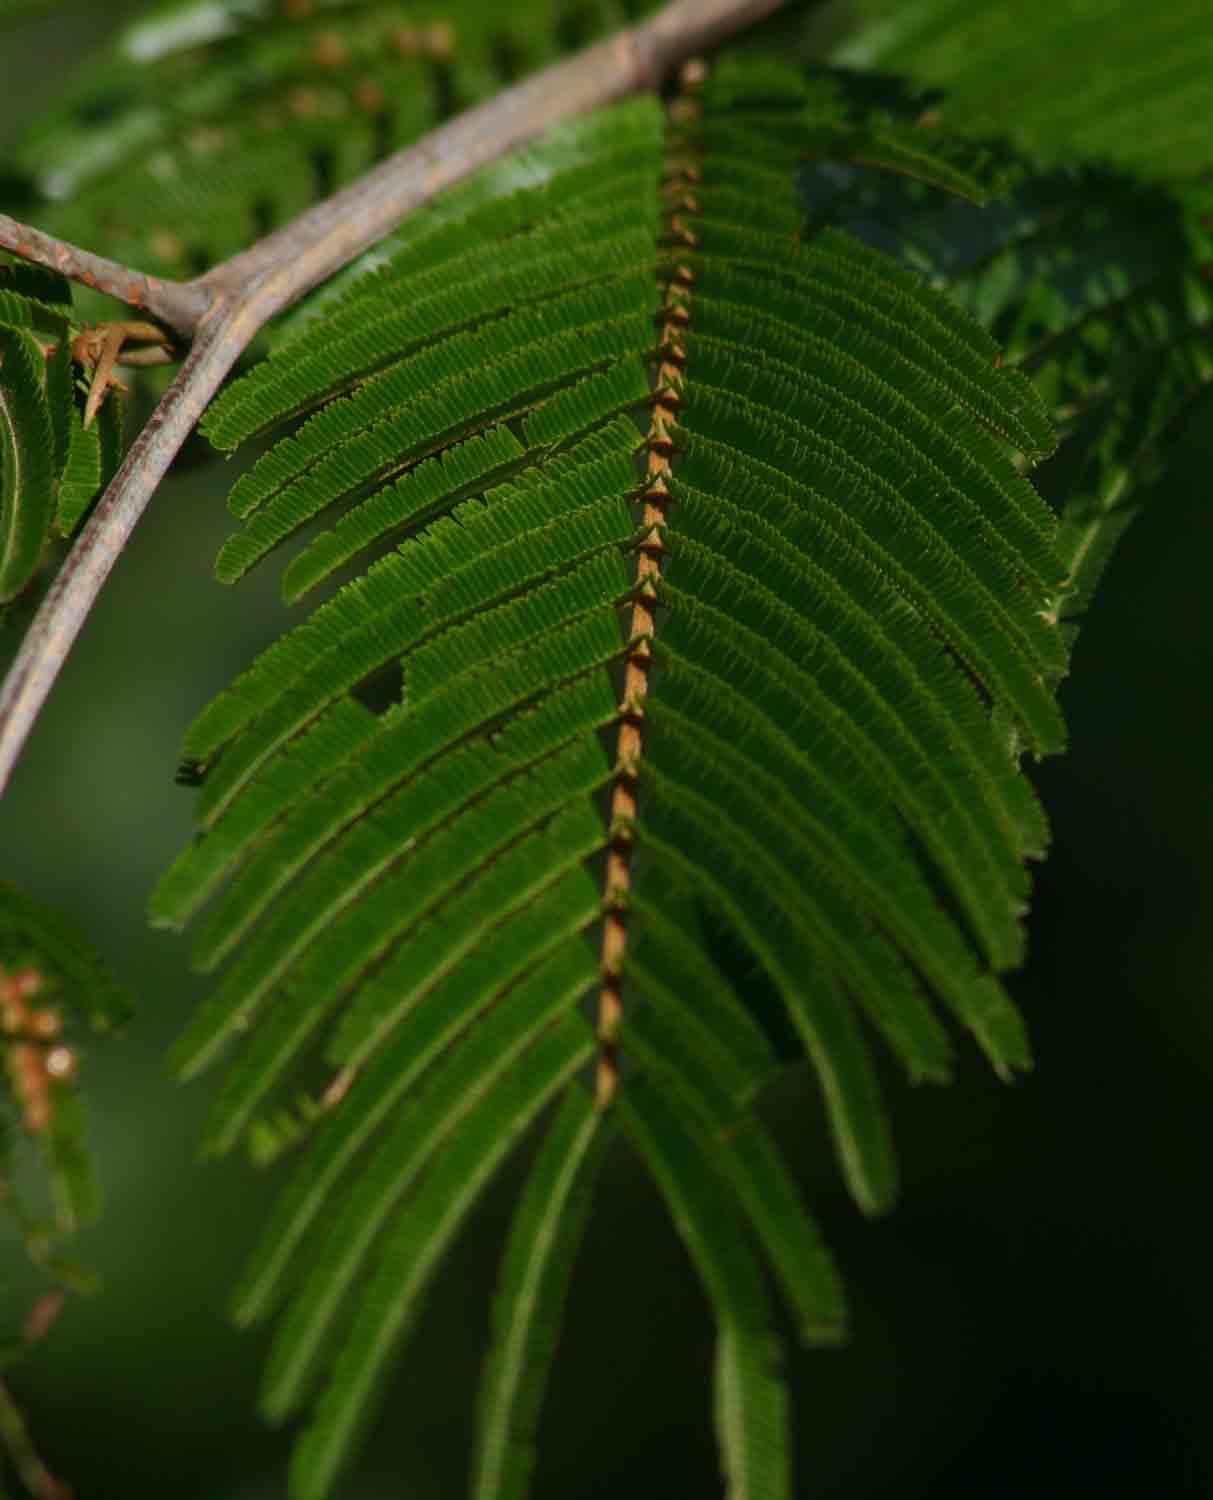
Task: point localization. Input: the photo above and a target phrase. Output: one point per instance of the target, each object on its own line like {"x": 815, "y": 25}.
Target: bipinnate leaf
{"x": 683, "y": 481}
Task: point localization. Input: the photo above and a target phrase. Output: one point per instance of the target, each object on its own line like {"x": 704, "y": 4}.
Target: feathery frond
{"x": 853, "y": 606}
{"x": 712, "y": 493}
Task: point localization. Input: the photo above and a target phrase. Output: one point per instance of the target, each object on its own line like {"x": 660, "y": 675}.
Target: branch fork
{"x": 221, "y": 312}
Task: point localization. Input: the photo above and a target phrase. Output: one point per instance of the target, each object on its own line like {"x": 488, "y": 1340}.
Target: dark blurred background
{"x": 1036, "y": 1315}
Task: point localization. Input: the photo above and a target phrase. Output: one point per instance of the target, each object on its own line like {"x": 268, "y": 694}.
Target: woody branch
{"x": 223, "y": 310}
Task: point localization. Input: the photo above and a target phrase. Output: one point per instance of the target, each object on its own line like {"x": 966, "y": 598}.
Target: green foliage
{"x": 1094, "y": 284}
{"x": 52, "y": 986}
{"x": 204, "y": 123}
{"x": 858, "y": 639}
{"x": 751, "y": 1403}
{"x": 26, "y": 498}
{"x": 894, "y": 395}
{"x": 13, "y": 8}
{"x": 534, "y": 1272}
{"x": 31, "y": 932}
{"x": 1104, "y": 80}
{"x": 51, "y": 466}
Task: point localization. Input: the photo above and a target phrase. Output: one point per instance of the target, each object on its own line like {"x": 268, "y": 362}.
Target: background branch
{"x": 227, "y": 307}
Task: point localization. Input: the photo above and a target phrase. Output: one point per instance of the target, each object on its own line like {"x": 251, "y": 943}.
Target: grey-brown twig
{"x": 180, "y": 305}
{"x": 227, "y": 307}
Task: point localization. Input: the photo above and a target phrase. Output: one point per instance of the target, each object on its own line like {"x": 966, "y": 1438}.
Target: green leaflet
{"x": 51, "y": 469}
{"x": 1096, "y": 285}
{"x": 390, "y": 1304}
{"x": 560, "y": 977}
{"x": 669, "y": 962}
{"x": 751, "y": 1402}
{"x": 27, "y": 473}
{"x": 82, "y": 472}
{"x": 739, "y": 1147}
{"x": 539, "y": 262}
{"x": 535, "y": 1270}
{"x": 685, "y": 835}
{"x": 390, "y": 610}
{"x": 452, "y": 1088}
{"x": 1126, "y": 373}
